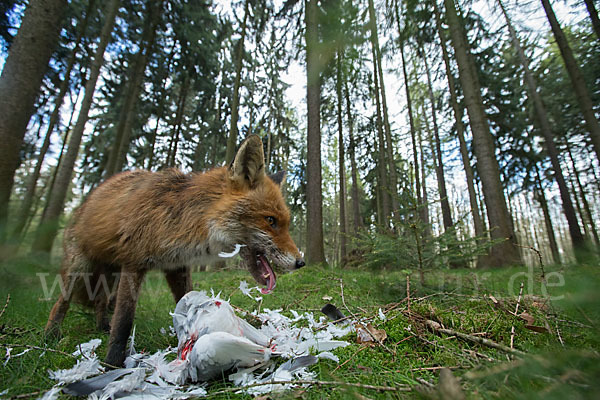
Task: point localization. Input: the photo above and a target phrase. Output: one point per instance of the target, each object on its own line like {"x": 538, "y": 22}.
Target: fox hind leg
{"x": 104, "y": 281}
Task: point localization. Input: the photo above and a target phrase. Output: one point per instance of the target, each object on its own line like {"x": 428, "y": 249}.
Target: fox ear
{"x": 248, "y": 166}
{"x": 278, "y": 177}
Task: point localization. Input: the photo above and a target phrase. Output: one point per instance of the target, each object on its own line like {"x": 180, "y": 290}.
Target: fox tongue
{"x": 268, "y": 274}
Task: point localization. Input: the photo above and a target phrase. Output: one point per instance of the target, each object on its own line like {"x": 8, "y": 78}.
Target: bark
{"x": 544, "y": 124}
{"x": 357, "y": 220}
{"x": 315, "y": 253}
{"x": 118, "y": 155}
{"x": 593, "y": 16}
{"x": 582, "y": 93}
{"x": 235, "y": 99}
{"x": 20, "y": 83}
{"x": 49, "y": 225}
{"x": 342, "y": 167}
{"x": 460, "y": 129}
{"x": 384, "y": 190}
{"x": 393, "y": 176}
{"x": 505, "y": 252}
{"x": 58, "y": 101}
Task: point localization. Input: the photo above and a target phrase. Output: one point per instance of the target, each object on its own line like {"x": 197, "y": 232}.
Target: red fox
{"x": 139, "y": 220}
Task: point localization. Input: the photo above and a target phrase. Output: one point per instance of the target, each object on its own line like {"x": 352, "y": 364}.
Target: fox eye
{"x": 272, "y": 221}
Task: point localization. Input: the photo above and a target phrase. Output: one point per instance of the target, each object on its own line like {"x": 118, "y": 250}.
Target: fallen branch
{"x": 397, "y": 388}
{"x": 435, "y": 326}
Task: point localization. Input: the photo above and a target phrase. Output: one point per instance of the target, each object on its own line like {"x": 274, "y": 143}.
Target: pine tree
{"x": 48, "y": 226}
{"x": 20, "y": 82}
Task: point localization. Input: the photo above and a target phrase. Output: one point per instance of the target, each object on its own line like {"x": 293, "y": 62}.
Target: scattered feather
{"x": 233, "y": 253}
{"x": 87, "y": 349}
{"x": 84, "y": 368}
{"x": 246, "y": 290}
{"x": 211, "y": 339}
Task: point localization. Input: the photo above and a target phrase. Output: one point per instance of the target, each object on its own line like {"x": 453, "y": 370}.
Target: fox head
{"x": 258, "y": 216}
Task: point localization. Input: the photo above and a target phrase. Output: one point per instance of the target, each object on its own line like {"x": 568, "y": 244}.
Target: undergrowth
{"x": 559, "y": 336}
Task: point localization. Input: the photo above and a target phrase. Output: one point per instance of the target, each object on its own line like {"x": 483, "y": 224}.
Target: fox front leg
{"x": 179, "y": 281}
{"x": 130, "y": 283}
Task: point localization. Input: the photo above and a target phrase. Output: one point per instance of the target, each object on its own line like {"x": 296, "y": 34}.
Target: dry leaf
{"x": 327, "y": 298}
{"x": 493, "y": 299}
{"x": 527, "y": 318}
{"x": 369, "y": 334}
{"x": 539, "y": 329}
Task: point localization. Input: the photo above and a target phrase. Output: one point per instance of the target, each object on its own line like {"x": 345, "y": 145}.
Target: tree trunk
{"x": 49, "y": 224}
{"x": 64, "y": 86}
{"x": 593, "y": 16}
{"x": 505, "y": 252}
{"x": 581, "y": 91}
{"x": 384, "y": 190}
{"x": 177, "y": 126}
{"x": 409, "y": 107}
{"x": 235, "y": 99}
{"x": 160, "y": 108}
{"x": 342, "y": 167}
{"x": 582, "y": 194}
{"x": 541, "y": 198}
{"x": 393, "y": 176}
{"x": 424, "y": 212}
{"x": 437, "y": 152}
{"x": 357, "y": 220}
{"x": 460, "y": 129}
{"x": 118, "y": 155}
{"x": 542, "y": 118}
{"x": 315, "y": 253}
{"x": 20, "y": 83}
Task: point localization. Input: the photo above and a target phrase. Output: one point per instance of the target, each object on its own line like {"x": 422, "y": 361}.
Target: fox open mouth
{"x": 255, "y": 260}
{"x": 265, "y": 275}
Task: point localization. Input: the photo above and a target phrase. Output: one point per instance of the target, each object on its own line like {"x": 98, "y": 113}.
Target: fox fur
{"x": 139, "y": 220}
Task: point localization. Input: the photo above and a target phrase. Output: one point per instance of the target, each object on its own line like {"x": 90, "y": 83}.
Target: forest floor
{"x": 556, "y": 341}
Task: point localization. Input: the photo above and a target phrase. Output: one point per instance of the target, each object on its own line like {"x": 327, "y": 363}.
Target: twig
{"x": 425, "y": 383}
{"x": 512, "y": 330}
{"x": 408, "y": 292}
{"x": 350, "y": 358}
{"x": 28, "y": 346}
{"x": 300, "y": 300}
{"x": 246, "y": 312}
{"x": 559, "y": 337}
{"x": 5, "y": 305}
{"x": 26, "y": 395}
{"x": 479, "y": 340}
{"x": 343, "y": 299}
{"x": 397, "y": 388}
{"x": 434, "y": 368}
{"x": 539, "y": 254}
